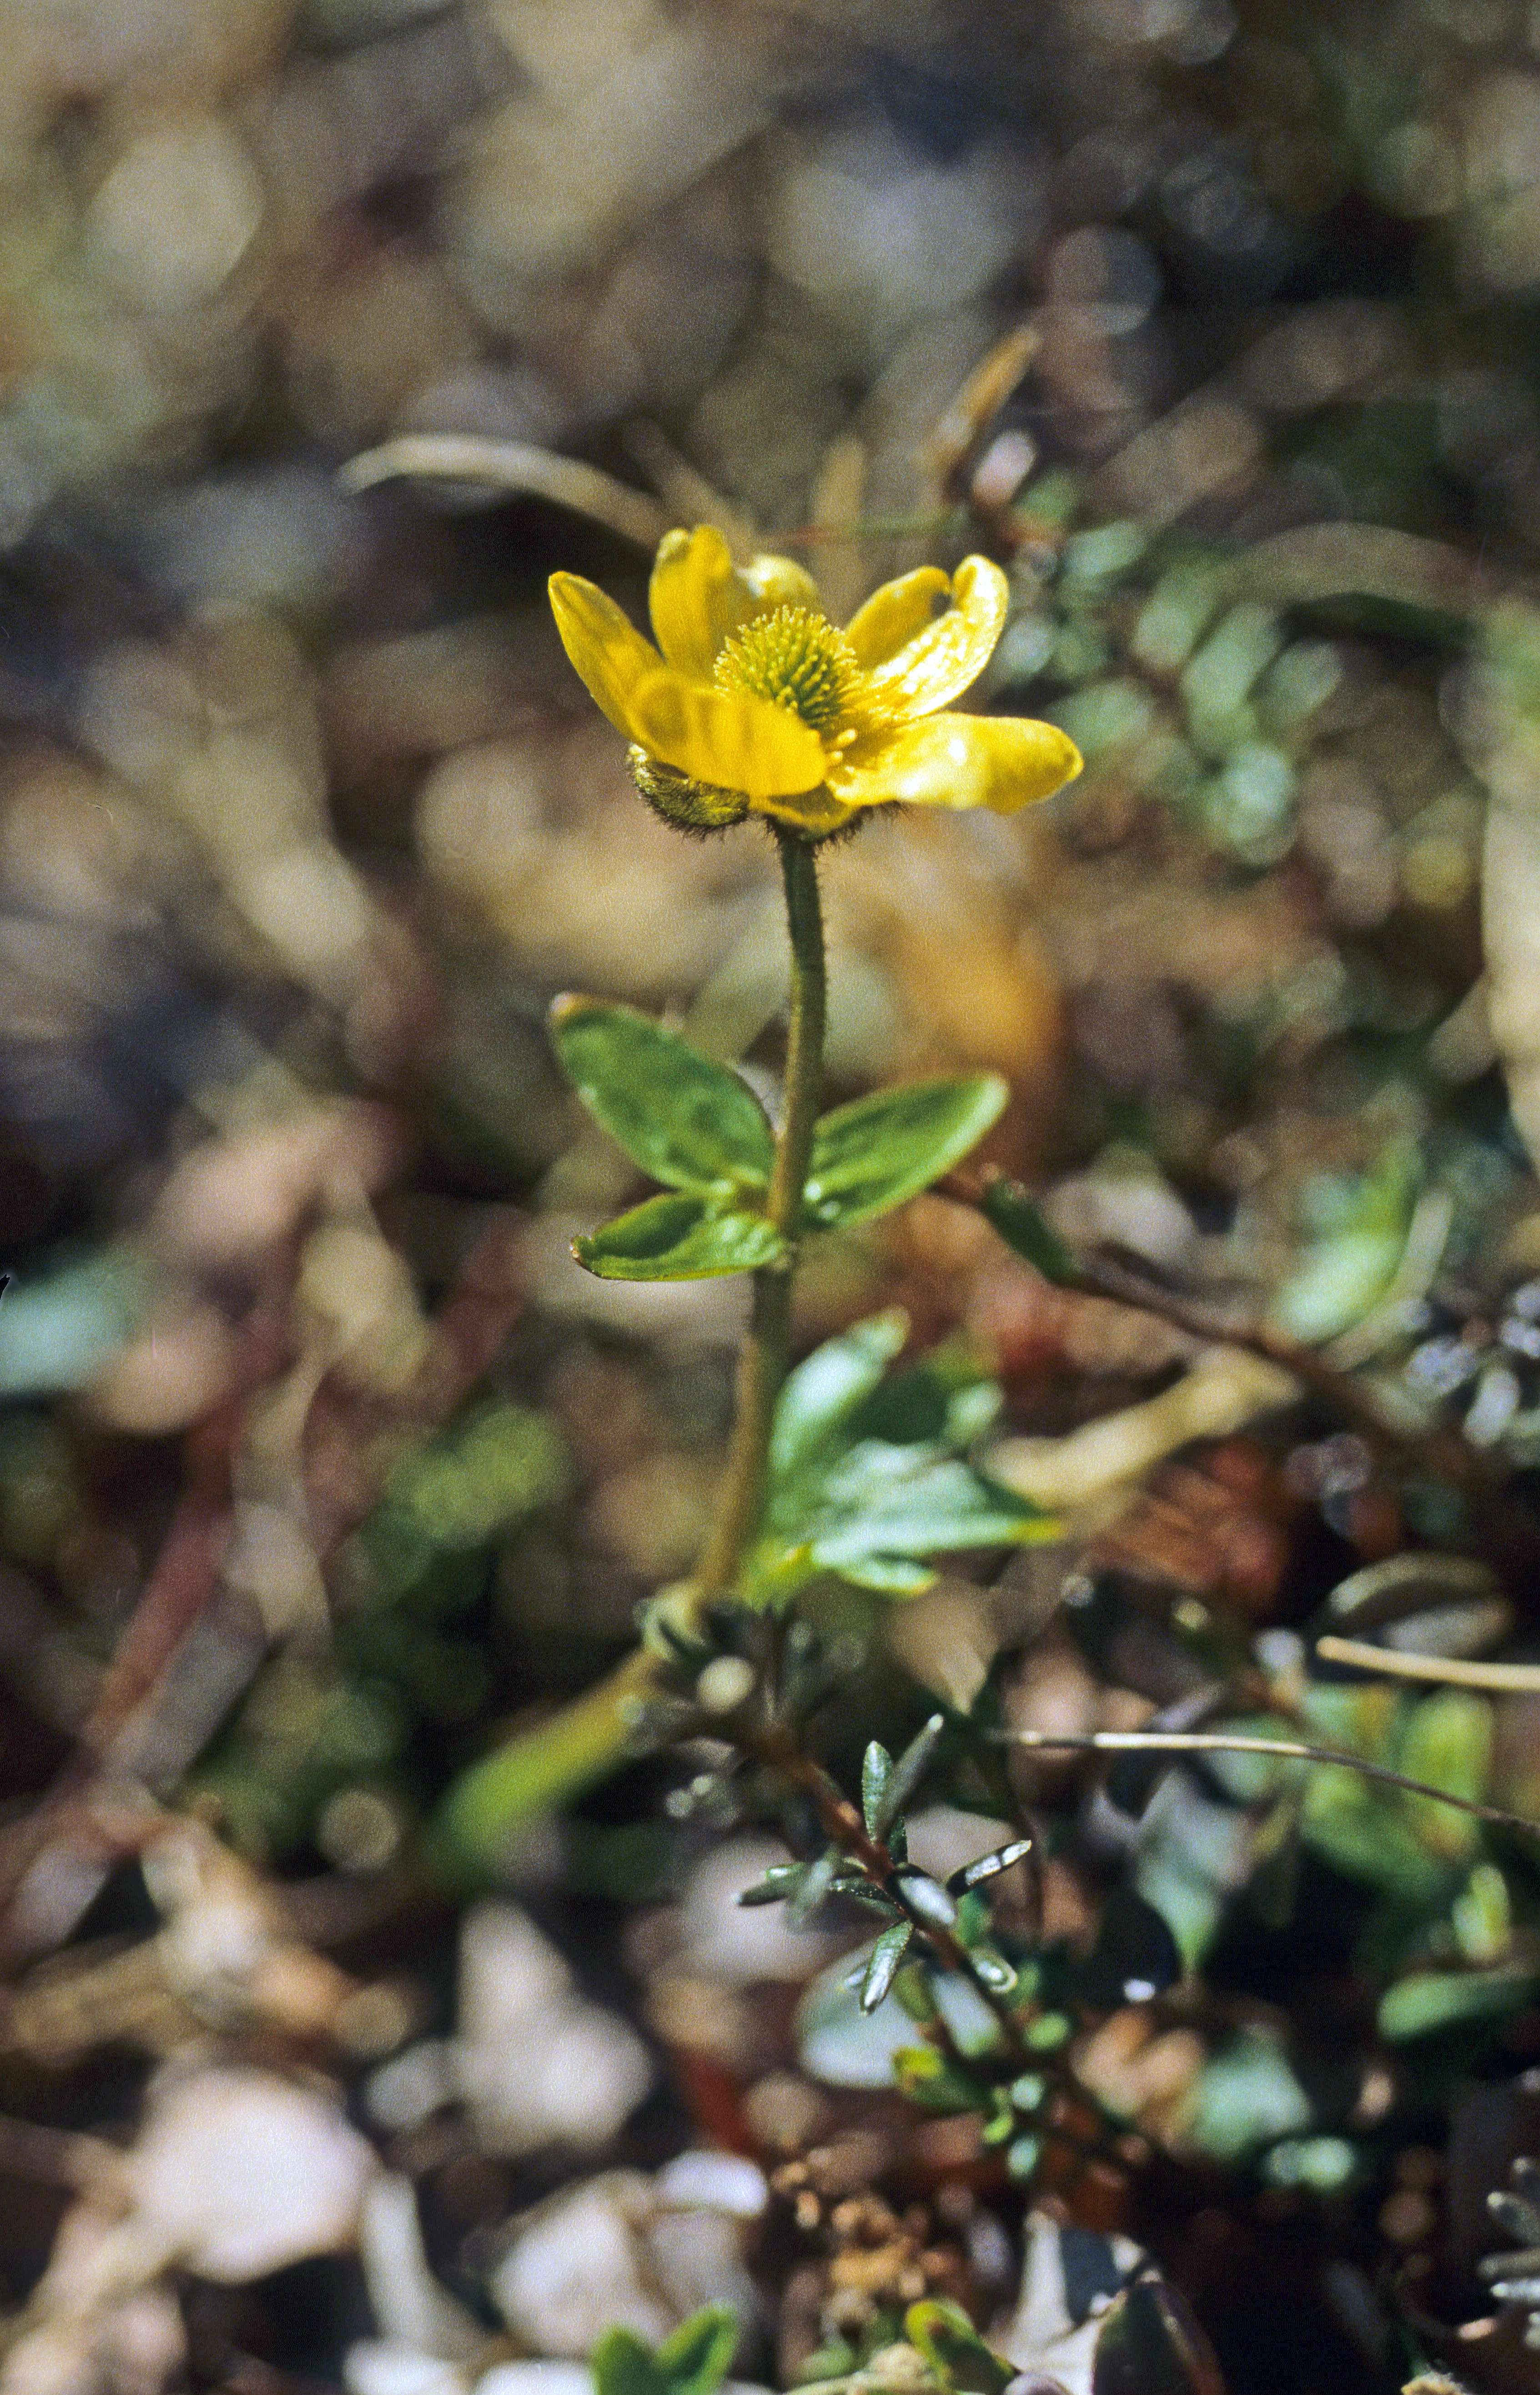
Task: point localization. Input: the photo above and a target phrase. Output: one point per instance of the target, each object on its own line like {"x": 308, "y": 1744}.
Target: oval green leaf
{"x": 683, "y": 1237}
{"x": 873, "y": 1154}
{"x": 686, "y": 1121}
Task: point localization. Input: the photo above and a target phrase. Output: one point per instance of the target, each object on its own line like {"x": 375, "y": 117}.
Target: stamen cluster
{"x": 794, "y": 658}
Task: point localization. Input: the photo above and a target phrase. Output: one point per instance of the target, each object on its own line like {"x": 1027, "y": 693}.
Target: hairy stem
{"x": 762, "y": 1365}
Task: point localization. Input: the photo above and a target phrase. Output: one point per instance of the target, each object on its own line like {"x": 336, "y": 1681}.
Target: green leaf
{"x": 989, "y": 1866}
{"x": 694, "y": 2360}
{"x": 929, "y": 2079}
{"x": 887, "y": 1955}
{"x": 1246, "y": 2095}
{"x": 867, "y": 1476}
{"x": 906, "y": 1774}
{"x": 876, "y": 1772}
{"x": 804, "y": 1900}
{"x": 781, "y": 1881}
{"x": 927, "y": 1897}
{"x": 690, "y": 1123}
{"x": 868, "y": 1156}
{"x": 1433, "y": 2000}
{"x": 622, "y": 2365}
{"x": 937, "y": 1509}
{"x": 823, "y": 1393}
{"x": 1024, "y": 1226}
{"x": 680, "y": 1238}
{"x": 947, "y": 2337}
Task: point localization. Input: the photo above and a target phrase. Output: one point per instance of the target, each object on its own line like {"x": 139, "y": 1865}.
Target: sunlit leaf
{"x": 825, "y": 1389}
{"x": 876, "y": 1775}
{"x": 685, "y": 1121}
{"x": 873, "y": 1154}
{"x": 906, "y": 1774}
{"x": 887, "y": 1955}
{"x": 684, "y": 1237}
{"x": 947, "y": 2337}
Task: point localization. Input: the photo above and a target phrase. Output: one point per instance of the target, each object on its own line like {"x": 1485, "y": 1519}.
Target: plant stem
{"x": 546, "y": 1767}
{"x": 762, "y": 1365}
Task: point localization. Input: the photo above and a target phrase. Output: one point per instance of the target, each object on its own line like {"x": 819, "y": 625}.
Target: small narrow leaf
{"x": 1024, "y": 1226}
{"x": 876, "y": 1778}
{"x": 904, "y": 1776}
{"x": 694, "y": 2360}
{"x": 687, "y": 1121}
{"x": 870, "y": 1899}
{"x": 987, "y": 1866}
{"x": 679, "y": 1239}
{"x": 927, "y": 1899}
{"x": 887, "y": 1955}
{"x": 819, "y": 1879}
{"x": 872, "y": 1155}
{"x": 782, "y": 1880}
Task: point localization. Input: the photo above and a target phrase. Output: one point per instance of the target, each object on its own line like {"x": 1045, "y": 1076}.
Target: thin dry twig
{"x": 1448, "y": 1671}
{"x": 515, "y": 465}
{"x": 1289, "y": 1750}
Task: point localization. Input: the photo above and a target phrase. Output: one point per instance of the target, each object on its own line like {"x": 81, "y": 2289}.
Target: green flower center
{"x": 796, "y": 659}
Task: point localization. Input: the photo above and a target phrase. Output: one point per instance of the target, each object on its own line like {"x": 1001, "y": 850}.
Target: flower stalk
{"x": 762, "y": 1365}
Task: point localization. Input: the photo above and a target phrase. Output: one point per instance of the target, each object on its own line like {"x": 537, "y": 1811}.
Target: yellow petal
{"x": 816, "y": 812}
{"x": 728, "y": 738}
{"x": 606, "y": 650}
{"x": 696, "y": 598}
{"x": 779, "y": 582}
{"x": 937, "y": 664}
{"x": 895, "y": 613}
{"x": 1003, "y": 762}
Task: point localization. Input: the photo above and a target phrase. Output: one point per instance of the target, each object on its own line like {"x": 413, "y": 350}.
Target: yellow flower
{"x": 758, "y": 704}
